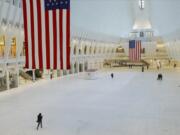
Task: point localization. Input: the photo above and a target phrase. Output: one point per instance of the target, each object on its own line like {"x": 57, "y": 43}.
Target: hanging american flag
{"x": 135, "y": 50}
{"x": 47, "y": 33}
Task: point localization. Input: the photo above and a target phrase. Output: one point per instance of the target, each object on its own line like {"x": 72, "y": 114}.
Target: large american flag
{"x": 47, "y": 33}
{"x": 135, "y": 50}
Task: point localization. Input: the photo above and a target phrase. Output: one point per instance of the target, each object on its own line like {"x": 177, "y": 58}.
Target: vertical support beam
{"x": 17, "y": 77}
{"x": 67, "y": 72}
{"x": 77, "y": 67}
{"x": 84, "y": 63}
{"x": 33, "y": 77}
{"x": 49, "y": 74}
{"x": 1, "y": 10}
{"x": 42, "y": 74}
{"x": 7, "y": 80}
{"x": 72, "y": 68}
{"x": 61, "y": 73}
{"x": 89, "y": 67}
{"x": 55, "y": 73}
{"x": 82, "y": 66}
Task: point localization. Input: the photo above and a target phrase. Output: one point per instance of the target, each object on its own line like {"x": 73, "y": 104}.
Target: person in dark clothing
{"x": 39, "y": 120}
{"x": 142, "y": 68}
{"x": 112, "y": 75}
{"x": 147, "y": 67}
{"x": 159, "y": 77}
{"x": 51, "y": 76}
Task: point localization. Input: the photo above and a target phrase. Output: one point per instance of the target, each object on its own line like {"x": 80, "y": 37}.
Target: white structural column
{"x": 61, "y": 72}
{"x": 72, "y": 69}
{"x": 33, "y": 77}
{"x": 77, "y": 66}
{"x": 88, "y": 65}
{"x": 54, "y": 73}
{"x": 83, "y": 66}
{"x": 91, "y": 65}
{"x": 7, "y": 80}
{"x": 1, "y": 9}
{"x": 67, "y": 72}
{"x": 17, "y": 77}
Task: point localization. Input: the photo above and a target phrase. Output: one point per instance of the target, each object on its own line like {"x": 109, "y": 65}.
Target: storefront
{"x": 12, "y": 52}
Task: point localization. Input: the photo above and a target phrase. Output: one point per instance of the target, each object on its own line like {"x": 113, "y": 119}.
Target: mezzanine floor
{"x": 133, "y": 103}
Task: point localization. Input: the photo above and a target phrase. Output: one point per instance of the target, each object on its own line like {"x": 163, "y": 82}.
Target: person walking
{"x": 142, "y": 68}
{"x": 112, "y": 75}
{"x": 147, "y": 67}
{"x": 39, "y": 120}
{"x": 160, "y": 77}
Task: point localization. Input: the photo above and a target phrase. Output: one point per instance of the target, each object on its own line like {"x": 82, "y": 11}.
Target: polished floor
{"x": 132, "y": 103}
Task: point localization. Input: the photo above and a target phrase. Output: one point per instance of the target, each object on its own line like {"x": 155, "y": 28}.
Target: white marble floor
{"x": 133, "y": 103}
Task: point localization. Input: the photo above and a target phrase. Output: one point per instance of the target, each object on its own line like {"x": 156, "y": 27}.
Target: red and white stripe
{"x": 47, "y": 36}
{"x": 135, "y": 53}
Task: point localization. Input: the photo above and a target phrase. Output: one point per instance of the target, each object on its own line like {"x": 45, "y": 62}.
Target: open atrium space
{"x": 89, "y": 67}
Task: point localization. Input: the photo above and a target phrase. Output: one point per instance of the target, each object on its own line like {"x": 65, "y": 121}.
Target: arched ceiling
{"x": 111, "y": 17}
{"x": 117, "y": 17}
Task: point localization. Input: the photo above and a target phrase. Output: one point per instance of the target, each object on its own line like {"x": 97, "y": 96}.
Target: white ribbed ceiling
{"x": 111, "y": 18}
{"x": 117, "y": 17}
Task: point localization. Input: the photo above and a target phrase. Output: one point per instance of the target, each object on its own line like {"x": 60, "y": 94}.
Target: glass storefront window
{"x": 2, "y": 46}
{"x": 13, "y": 48}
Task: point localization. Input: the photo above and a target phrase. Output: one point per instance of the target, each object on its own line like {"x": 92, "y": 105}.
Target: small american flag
{"x": 135, "y": 50}
{"x": 47, "y": 33}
